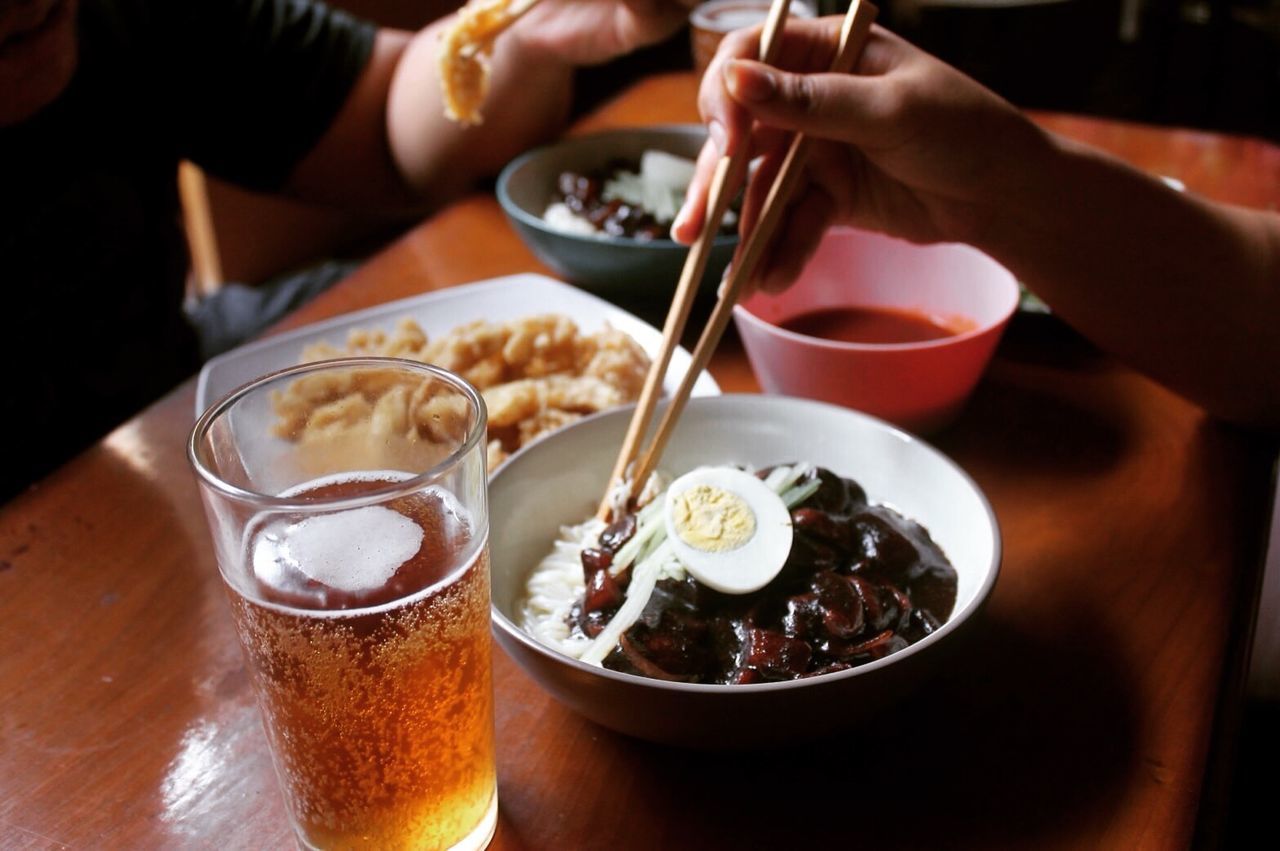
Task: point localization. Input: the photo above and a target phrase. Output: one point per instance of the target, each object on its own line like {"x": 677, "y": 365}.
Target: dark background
{"x": 1209, "y": 64}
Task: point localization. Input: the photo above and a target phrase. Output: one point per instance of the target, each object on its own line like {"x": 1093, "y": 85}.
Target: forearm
{"x": 1184, "y": 289}
{"x": 527, "y": 103}
{"x": 391, "y": 146}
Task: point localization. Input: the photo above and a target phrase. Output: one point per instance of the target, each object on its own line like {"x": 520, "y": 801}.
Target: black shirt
{"x": 92, "y": 256}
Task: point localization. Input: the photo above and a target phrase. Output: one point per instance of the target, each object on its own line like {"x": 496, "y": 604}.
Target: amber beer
{"x": 378, "y": 702}
{"x": 351, "y": 531}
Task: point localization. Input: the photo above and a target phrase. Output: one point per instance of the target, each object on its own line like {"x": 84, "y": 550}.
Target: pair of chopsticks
{"x": 727, "y": 179}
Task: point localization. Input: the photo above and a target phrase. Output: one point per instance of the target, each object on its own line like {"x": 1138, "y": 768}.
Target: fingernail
{"x": 678, "y": 222}
{"x": 750, "y": 82}
{"x": 724, "y": 280}
{"x": 718, "y": 135}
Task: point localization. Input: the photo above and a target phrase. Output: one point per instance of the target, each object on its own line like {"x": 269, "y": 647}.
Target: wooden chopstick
{"x": 854, "y": 32}
{"x": 725, "y": 183}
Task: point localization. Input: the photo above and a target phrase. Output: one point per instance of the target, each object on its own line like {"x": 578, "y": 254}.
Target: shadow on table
{"x": 1024, "y": 417}
{"x": 1012, "y": 741}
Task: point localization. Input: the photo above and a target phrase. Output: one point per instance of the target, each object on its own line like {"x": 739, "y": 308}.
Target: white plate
{"x": 438, "y": 312}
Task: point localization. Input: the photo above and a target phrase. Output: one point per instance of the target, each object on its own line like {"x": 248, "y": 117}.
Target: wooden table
{"x": 1083, "y": 711}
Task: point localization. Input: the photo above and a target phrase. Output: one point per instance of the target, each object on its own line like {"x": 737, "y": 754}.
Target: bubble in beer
{"x": 355, "y": 550}
{"x": 381, "y": 717}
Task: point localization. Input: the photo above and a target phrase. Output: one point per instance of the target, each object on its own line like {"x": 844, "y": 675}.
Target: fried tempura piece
{"x": 536, "y": 374}
{"x": 545, "y": 422}
{"x": 515, "y": 401}
{"x": 618, "y": 361}
{"x": 494, "y": 455}
{"x": 465, "y": 48}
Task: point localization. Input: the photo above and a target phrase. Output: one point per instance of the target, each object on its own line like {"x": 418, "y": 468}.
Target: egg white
{"x": 750, "y": 566}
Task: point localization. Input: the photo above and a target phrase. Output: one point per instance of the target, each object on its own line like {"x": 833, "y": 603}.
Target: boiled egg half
{"x": 729, "y": 529}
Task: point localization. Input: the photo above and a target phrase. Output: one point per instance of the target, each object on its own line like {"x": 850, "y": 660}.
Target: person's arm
{"x": 1182, "y": 288}
{"x": 391, "y": 142}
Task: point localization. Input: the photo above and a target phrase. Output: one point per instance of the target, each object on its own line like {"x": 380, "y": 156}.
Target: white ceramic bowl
{"x": 558, "y": 481}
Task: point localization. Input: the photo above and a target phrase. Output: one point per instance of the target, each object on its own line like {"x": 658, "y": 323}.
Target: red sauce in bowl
{"x": 875, "y": 325}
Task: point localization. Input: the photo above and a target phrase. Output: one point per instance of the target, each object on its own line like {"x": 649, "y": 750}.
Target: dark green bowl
{"x": 604, "y": 264}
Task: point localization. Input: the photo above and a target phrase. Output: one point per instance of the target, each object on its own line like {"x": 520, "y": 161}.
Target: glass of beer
{"x": 347, "y": 504}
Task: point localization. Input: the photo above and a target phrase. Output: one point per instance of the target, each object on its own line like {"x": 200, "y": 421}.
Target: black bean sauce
{"x": 861, "y": 582}
{"x": 582, "y": 193}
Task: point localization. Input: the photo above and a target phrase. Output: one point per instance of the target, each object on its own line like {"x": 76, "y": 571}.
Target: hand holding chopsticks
{"x": 729, "y": 174}
{"x": 727, "y": 179}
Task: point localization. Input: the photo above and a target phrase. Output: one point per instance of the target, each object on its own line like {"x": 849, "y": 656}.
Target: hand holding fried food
{"x": 578, "y": 32}
{"x": 465, "y": 48}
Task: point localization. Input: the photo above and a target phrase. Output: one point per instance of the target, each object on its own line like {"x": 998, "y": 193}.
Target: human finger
{"x": 652, "y": 20}
{"x": 807, "y": 218}
{"x": 803, "y": 45}
{"x": 688, "y": 221}
{"x": 840, "y": 107}
{"x": 726, "y": 121}
{"x": 766, "y": 170}
{"x": 808, "y": 214}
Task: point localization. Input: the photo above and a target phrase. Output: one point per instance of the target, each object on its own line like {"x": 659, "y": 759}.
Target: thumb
{"x": 828, "y": 106}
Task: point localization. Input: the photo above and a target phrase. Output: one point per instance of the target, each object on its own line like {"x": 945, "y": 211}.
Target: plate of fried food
{"x": 542, "y": 353}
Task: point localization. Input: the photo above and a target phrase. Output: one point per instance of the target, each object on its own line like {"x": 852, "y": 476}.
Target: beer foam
{"x": 356, "y": 550}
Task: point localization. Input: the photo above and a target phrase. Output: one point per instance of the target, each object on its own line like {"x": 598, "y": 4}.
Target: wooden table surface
{"x": 1081, "y": 712}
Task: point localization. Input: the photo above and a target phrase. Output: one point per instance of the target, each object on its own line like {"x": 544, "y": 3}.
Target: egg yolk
{"x": 712, "y": 519}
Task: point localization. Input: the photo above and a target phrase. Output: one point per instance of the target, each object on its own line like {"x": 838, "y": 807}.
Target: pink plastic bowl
{"x": 919, "y": 386}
